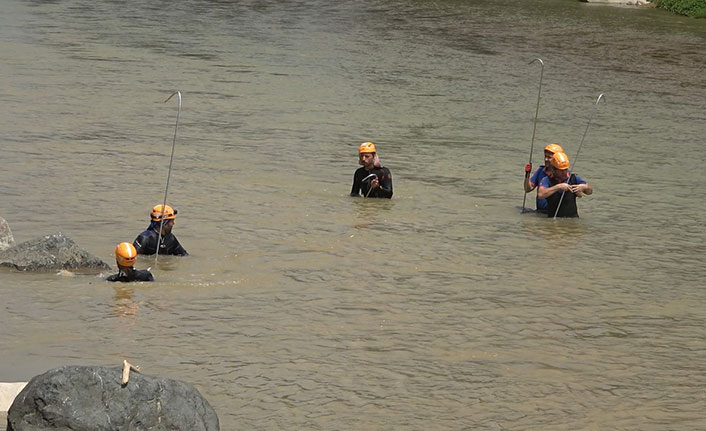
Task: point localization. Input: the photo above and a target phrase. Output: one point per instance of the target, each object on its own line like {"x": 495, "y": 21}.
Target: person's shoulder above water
{"x": 114, "y": 277}
{"x": 142, "y": 275}
{"x": 134, "y": 275}
{"x": 146, "y": 242}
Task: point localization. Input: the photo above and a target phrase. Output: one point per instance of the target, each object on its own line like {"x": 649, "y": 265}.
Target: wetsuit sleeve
{"x": 120, "y": 276}
{"x": 143, "y": 244}
{"x": 386, "y": 185}
{"x": 173, "y": 246}
{"x": 355, "y": 190}
{"x": 178, "y": 249}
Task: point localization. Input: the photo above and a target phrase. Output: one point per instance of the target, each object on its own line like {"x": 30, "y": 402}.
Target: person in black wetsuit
{"x": 146, "y": 242}
{"x": 125, "y": 256}
{"x": 561, "y": 182}
{"x": 372, "y": 179}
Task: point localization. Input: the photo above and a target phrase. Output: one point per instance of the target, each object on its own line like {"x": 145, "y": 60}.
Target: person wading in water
{"x": 532, "y": 182}
{"x": 561, "y": 182}
{"x": 125, "y": 256}
{"x": 372, "y": 179}
{"x": 146, "y": 242}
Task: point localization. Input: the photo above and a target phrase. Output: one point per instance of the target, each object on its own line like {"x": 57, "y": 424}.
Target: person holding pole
{"x": 125, "y": 257}
{"x": 543, "y": 171}
{"x": 160, "y": 231}
{"x": 561, "y": 188}
{"x": 372, "y": 179}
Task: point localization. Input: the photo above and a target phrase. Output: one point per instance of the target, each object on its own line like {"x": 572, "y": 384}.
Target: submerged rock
{"x": 6, "y": 238}
{"x": 86, "y": 398}
{"x": 50, "y": 253}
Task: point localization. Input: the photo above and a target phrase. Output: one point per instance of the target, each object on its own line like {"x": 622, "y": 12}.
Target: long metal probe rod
{"x": 573, "y": 162}
{"x": 169, "y": 172}
{"x": 536, "y": 114}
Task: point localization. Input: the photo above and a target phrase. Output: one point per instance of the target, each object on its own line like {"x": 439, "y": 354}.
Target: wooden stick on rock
{"x": 126, "y": 371}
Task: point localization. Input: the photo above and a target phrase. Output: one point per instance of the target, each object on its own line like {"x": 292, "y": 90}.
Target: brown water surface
{"x": 303, "y": 308}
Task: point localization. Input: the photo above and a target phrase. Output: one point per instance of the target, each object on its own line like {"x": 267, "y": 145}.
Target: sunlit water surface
{"x": 303, "y": 308}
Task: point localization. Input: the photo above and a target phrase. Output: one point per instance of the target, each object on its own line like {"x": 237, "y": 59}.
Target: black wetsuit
{"x": 131, "y": 275}
{"x": 146, "y": 243}
{"x": 363, "y": 187}
{"x": 568, "y": 203}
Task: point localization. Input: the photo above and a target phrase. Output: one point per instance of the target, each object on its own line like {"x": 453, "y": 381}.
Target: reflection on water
{"x": 371, "y": 213}
{"x": 125, "y": 304}
{"x": 442, "y": 308}
{"x": 560, "y": 232}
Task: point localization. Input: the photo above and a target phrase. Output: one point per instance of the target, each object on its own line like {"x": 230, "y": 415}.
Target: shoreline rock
{"x": 93, "y": 398}
{"x": 50, "y": 253}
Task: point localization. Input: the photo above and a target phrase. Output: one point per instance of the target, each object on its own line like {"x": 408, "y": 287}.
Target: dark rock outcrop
{"x": 50, "y": 253}
{"x": 88, "y": 398}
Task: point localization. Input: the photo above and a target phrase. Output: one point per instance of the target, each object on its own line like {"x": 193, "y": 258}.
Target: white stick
{"x": 126, "y": 371}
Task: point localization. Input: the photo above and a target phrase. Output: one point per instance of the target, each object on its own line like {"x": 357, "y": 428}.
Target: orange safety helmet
{"x": 366, "y": 147}
{"x": 125, "y": 254}
{"x": 560, "y": 161}
{"x": 554, "y": 148}
{"x": 157, "y": 211}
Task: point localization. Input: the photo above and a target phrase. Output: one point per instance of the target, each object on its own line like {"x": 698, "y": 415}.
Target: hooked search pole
{"x": 169, "y": 173}
{"x": 573, "y": 163}
{"x": 369, "y": 178}
{"x": 536, "y": 114}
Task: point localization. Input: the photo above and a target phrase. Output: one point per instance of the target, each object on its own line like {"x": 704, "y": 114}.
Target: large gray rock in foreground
{"x": 85, "y": 398}
{"x": 6, "y": 238}
{"x": 50, "y": 253}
